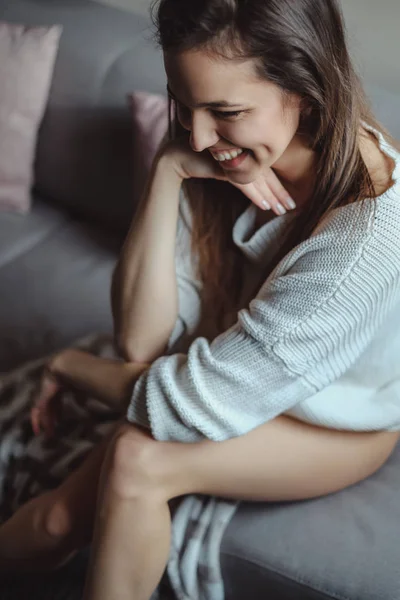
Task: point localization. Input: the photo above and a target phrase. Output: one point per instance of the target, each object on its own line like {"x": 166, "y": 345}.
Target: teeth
{"x": 228, "y": 155}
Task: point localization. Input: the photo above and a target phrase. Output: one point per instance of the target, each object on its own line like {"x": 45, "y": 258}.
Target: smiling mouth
{"x": 233, "y": 163}
{"x": 229, "y": 155}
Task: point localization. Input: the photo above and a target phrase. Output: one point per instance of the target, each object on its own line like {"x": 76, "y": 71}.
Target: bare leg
{"x": 134, "y": 503}
{"x": 282, "y": 460}
{"x": 48, "y": 529}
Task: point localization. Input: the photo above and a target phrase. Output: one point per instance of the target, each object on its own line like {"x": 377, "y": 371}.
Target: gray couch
{"x": 55, "y": 268}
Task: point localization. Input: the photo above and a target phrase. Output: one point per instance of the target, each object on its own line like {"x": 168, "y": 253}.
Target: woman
{"x": 277, "y": 368}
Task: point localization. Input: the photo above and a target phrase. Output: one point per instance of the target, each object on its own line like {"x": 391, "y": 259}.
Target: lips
{"x": 219, "y": 150}
{"x": 226, "y": 155}
{"x": 234, "y": 162}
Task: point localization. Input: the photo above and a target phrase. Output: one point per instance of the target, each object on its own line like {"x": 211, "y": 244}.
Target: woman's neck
{"x": 296, "y": 170}
{"x": 297, "y": 167}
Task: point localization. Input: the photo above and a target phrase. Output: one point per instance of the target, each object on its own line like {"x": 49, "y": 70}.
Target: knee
{"x": 57, "y": 520}
{"x": 134, "y": 464}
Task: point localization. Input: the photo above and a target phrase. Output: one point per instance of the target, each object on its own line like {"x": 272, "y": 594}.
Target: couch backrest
{"x": 84, "y": 154}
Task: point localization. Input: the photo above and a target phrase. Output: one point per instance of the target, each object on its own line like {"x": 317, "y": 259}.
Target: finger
{"x": 39, "y": 422}
{"x": 48, "y": 417}
{"x": 279, "y": 191}
{"x": 252, "y": 193}
{"x": 259, "y": 199}
{"x": 264, "y": 192}
{"x": 50, "y": 384}
{"x": 43, "y": 402}
{"x": 46, "y": 421}
{"x": 38, "y": 417}
{"x": 35, "y": 420}
{"x": 277, "y": 207}
{"x": 52, "y": 417}
{"x": 43, "y": 406}
{"x": 48, "y": 389}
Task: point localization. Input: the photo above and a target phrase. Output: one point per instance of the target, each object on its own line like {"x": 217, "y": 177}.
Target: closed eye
{"x": 227, "y": 114}
{"x": 220, "y": 114}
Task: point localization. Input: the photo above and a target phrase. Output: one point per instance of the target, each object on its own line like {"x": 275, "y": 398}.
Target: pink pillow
{"x": 26, "y": 68}
{"x": 150, "y": 125}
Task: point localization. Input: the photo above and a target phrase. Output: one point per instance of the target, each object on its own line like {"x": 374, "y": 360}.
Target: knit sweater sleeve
{"x": 311, "y": 320}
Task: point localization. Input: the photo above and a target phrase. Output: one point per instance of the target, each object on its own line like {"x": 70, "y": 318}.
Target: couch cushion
{"x": 149, "y": 125}
{"x": 55, "y": 272}
{"x": 344, "y": 546}
{"x": 26, "y": 69}
{"x": 84, "y": 156}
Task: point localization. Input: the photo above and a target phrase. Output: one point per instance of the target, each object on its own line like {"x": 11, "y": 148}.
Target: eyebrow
{"x": 215, "y": 104}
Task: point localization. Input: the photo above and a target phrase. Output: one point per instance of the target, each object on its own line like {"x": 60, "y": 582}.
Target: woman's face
{"x": 251, "y": 114}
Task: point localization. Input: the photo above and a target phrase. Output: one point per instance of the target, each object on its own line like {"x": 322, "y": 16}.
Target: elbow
{"x": 133, "y": 352}
{"x": 126, "y": 349}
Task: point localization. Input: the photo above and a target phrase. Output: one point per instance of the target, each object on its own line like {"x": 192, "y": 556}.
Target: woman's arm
{"x": 107, "y": 379}
{"x": 144, "y": 288}
{"x": 312, "y": 321}
{"x": 147, "y": 281}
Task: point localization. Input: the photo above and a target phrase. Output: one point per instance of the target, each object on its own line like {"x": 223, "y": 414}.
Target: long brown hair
{"x": 300, "y": 45}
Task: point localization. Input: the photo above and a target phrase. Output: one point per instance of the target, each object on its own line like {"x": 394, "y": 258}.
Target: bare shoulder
{"x": 379, "y": 164}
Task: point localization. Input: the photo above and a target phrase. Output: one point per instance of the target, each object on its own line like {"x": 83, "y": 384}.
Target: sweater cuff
{"x": 137, "y": 412}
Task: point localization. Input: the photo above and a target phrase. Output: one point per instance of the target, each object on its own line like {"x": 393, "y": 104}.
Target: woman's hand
{"x": 266, "y": 192}
{"x": 109, "y": 380}
{"x": 46, "y": 410}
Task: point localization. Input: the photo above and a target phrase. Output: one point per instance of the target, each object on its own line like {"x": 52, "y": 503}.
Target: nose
{"x": 202, "y": 132}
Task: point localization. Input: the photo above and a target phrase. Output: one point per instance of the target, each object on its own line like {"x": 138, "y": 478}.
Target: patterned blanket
{"x": 31, "y": 464}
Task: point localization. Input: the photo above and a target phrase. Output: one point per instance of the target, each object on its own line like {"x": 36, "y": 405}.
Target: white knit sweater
{"x": 319, "y": 341}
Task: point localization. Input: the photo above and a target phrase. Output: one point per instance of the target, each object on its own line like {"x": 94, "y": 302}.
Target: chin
{"x": 242, "y": 177}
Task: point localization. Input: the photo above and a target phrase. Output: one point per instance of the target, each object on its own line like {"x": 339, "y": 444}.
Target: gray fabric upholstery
{"x": 55, "y": 277}
{"x": 344, "y": 546}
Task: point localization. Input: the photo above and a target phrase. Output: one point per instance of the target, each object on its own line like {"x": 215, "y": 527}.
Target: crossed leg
{"x": 281, "y": 460}
{"x": 50, "y": 528}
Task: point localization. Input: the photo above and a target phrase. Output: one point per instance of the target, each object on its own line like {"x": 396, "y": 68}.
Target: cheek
{"x": 274, "y": 131}
{"x": 244, "y": 134}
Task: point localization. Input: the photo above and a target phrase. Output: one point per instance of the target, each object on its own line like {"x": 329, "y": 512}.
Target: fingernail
{"x": 281, "y": 209}
{"x": 291, "y": 203}
{"x": 266, "y": 205}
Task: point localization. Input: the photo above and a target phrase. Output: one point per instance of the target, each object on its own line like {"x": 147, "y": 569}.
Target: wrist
{"x": 166, "y": 166}
{"x": 59, "y": 364}
{"x": 129, "y": 373}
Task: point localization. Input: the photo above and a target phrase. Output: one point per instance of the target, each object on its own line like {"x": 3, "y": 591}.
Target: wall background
{"x": 374, "y": 35}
